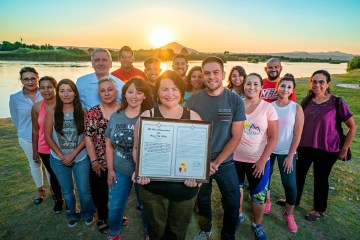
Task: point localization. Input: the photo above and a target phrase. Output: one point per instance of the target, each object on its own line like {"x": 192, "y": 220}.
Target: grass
{"x": 21, "y": 219}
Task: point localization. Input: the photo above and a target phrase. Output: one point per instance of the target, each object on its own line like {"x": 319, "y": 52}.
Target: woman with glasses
{"x": 320, "y": 142}
{"x": 20, "y": 105}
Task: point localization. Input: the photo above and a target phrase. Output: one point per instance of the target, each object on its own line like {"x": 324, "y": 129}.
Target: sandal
{"x": 124, "y": 221}
{"x": 40, "y": 198}
{"x": 103, "y": 226}
{"x": 312, "y": 216}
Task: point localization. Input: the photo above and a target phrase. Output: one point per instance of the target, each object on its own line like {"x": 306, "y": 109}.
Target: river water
{"x": 10, "y": 82}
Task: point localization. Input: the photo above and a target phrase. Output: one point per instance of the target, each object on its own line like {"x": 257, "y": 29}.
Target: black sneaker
{"x": 89, "y": 221}
{"x": 72, "y": 223}
{"x": 58, "y": 206}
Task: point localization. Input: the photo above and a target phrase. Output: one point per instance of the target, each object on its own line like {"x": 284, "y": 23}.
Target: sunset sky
{"x": 243, "y": 26}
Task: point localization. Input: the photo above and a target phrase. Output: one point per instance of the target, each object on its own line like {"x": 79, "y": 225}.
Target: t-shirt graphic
{"x": 70, "y": 138}
{"x": 251, "y": 129}
{"x": 225, "y": 114}
{"x": 123, "y": 140}
{"x": 269, "y": 94}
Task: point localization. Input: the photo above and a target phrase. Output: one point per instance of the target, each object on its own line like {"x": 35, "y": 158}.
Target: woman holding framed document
{"x": 168, "y": 205}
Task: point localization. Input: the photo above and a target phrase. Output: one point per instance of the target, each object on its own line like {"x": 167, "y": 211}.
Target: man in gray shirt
{"x": 226, "y": 110}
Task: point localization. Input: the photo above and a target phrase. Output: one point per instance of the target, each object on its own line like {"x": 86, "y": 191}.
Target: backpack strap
{"x": 338, "y": 120}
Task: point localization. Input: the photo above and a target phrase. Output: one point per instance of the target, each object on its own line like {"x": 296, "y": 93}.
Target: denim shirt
{"x": 87, "y": 86}
{"x": 20, "y": 110}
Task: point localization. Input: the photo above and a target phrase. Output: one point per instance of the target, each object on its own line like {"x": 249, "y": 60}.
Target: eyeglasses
{"x": 321, "y": 82}
{"x": 28, "y": 80}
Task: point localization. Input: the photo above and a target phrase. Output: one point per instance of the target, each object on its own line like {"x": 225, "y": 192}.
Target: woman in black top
{"x": 168, "y": 205}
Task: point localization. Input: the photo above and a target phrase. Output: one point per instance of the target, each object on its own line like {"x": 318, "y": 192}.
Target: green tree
{"x": 353, "y": 64}
{"x": 7, "y": 46}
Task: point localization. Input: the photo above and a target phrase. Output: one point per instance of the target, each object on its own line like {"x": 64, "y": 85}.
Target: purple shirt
{"x": 320, "y": 125}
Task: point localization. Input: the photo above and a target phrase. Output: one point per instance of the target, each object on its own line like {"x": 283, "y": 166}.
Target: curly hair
{"x": 78, "y": 110}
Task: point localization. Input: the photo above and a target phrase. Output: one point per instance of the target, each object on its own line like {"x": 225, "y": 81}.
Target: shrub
{"x": 353, "y": 64}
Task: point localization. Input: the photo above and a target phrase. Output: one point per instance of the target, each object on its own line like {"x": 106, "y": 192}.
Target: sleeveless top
{"x": 175, "y": 191}
{"x": 286, "y": 117}
{"x": 70, "y": 140}
{"x": 43, "y": 147}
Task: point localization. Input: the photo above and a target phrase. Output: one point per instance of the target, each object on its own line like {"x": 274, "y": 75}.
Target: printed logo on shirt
{"x": 251, "y": 129}
{"x": 70, "y": 138}
{"x": 224, "y": 114}
{"x": 269, "y": 93}
{"x": 123, "y": 140}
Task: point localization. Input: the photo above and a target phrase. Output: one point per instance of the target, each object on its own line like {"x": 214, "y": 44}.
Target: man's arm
{"x": 236, "y": 132}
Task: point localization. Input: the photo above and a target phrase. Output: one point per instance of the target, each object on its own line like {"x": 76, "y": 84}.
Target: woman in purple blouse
{"x": 320, "y": 142}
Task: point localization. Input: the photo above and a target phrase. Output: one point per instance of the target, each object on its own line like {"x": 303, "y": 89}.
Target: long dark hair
{"x": 311, "y": 94}
{"x": 242, "y": 73}
{"x": 78, "y": 111}
{"x": 188, "y": 78}
{"x": 141, "y": 86}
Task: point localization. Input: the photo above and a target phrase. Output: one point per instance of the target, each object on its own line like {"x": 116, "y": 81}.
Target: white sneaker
{"x": 202, "y": 235}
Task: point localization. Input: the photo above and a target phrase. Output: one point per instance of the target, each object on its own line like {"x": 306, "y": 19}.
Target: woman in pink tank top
{"x": 41, "y": 150}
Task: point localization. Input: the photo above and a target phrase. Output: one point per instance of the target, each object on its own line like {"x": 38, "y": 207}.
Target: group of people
{"x": 88, "y": 132}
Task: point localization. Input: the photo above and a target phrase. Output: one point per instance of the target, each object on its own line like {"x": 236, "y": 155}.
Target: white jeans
{"x": 35, "y": 168}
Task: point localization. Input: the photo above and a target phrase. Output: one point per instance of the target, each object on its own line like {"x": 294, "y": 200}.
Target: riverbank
{"x": 80, "y": 54}
{"x": 20, "y": 218}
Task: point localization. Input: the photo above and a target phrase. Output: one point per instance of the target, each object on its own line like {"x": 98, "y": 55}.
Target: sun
{"x": 161, "y": 36}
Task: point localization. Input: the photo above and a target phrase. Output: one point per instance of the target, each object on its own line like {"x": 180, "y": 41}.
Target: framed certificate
{"x": 174, "y": 149}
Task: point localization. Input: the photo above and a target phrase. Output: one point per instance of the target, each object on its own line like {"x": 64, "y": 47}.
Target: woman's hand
{"x": 111, "y": 178}
{"x": 36, "y": 157}
{"x": 288, "y": 164}
{"x": 140, "y": 180}
{"x": 343, "y": 153}
{"x": 67, "y": 159}
{"x": 97, "y": 167}
{"x": 259, "y": 169}
{"x": 192, "y": 183}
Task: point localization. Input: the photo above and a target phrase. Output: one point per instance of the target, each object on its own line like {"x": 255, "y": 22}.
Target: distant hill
{"x": 336, "y": 55}
{"x": 176, "y": 47}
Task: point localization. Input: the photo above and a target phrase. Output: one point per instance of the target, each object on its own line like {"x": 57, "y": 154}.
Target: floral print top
{"x": 95, "y": 127}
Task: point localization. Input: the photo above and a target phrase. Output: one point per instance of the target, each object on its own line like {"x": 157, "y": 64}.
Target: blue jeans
{"x": 64, "y": 175}
{"x": 118, "y": 197}
{"x": 228, "y": 183}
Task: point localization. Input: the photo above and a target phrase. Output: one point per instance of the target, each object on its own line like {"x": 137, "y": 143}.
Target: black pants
{"x": 53, "y": 180}
{"x": 99, "y": 193}
{"x": 323, "y": 162}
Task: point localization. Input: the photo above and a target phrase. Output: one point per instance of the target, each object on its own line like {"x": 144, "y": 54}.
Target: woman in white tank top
{"x": 291, "y": 121}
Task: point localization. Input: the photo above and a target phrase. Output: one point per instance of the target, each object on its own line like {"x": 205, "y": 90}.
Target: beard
{"x": 272, "y": 78}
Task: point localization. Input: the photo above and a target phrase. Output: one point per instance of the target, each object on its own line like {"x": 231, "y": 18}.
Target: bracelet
{"x": 92, "y": 161}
